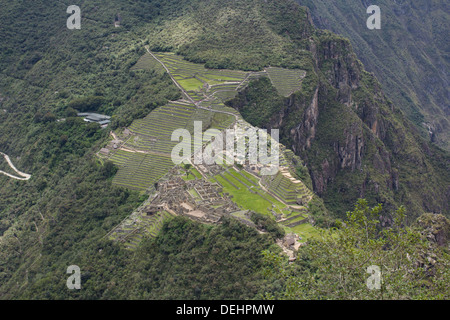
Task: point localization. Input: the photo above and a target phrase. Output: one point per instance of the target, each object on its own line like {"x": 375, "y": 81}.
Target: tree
{"x": 187, "y": 168}
{"x": 336, "y": 265}
{"x": 70, "y": 113}
{"x": 108, "y": 169}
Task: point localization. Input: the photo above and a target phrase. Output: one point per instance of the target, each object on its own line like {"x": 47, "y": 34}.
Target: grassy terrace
{"x": 192, "y": 175}
{"x": 295, "y": 220}
{"x": 191, "y": 84}
{"x": 147, "y": 225}
{"x": 248, "y": 195}
{"x": 246, "y": 192}
{"x": 147, "y": 62}
{"x": 164, "y": 120}
{"x": 285, "y": 189}
{"x": 200, "y": 82}
{"x": 154, "y": 131}
{"x": 286, "y": 81}
{"x": 225, "y": 95}
{"x": 195, "y": 195}
{"x": 306, "y": 231}
{"x": 221, "y": 107}
{"x": 140, "y": 171}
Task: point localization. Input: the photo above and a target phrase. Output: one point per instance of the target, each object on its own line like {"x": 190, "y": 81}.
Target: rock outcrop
{"x": 353, "y": 140}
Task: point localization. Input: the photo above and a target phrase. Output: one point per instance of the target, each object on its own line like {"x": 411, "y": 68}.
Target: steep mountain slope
{"x": 355, "y": 141}
{"x": 62, "y": 214}
{"x": 409, "y": 55}
{"x": 340, "y": 122}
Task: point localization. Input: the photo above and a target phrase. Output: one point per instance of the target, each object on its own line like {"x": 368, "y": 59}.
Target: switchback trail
{"x": 197, "y": 104}
{"x": 23, "y": 176}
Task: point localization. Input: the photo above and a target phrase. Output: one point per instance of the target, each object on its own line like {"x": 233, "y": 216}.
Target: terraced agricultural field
{"x": 198, "y": 81}
{"x": 286, "y": 81}
{"x": 137, "y": 226}
{"x": 164, "y": 120}
{"x": 146, "y": 156}
{"x": 306, "y": 231}
{"x": 191, "y": 84}
{"x": 140, "y": 171}
{"x": 147, "y": 62}
{"x": 179, "y": 67}
{"x": 287, "y": 188}
{"x": 248, "y": 195}
{"x": 295, "y": 219}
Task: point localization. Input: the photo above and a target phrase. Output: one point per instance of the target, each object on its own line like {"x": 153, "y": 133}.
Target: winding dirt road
{"x": 23, "y": 176}
{"x": 197, "y": 104}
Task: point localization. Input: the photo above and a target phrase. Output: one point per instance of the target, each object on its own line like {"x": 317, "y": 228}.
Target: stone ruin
{"x": 173, "y": 196}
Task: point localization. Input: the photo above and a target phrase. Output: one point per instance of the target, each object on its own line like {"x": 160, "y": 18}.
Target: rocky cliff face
{"x": 435, "y": 227}
{"x": 352, "y": 138}
{"x": 407, "y": 55}
{"x": 305, "y": 131}
{"x": 341, "y": 76}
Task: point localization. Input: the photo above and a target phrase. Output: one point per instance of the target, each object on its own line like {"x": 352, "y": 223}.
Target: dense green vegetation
{"x": 69, "y": 204}
{"x": 354, "y": 141}
{"x": 258, "y": 102}
{"x": 334, "y": 265}
{"x": 186, "y": 261}
{"x": 408, "y": 55}
{"x": 267, "y": 224}
{"x": 246, "y": 35}
{"x": 61, "y": 216}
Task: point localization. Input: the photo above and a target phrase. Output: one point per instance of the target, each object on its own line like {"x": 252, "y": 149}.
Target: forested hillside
{"x": 409, "y": 55}
{"x": 354, "y": 141}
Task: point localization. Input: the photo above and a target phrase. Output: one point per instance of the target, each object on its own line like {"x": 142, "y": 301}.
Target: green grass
{"x": 245, "y": 199}
{"x": 196, "y": 173}
{"x": 261, "y": 203}
{"x": 221, "y": 78}
{"x": 189, "y": 177}
{"x": 306, "y": 231}
{"x": 194, "y": 194}
{"x": 191, "y": 84}
{"x": 250, "y": 176}
{"x": 286, "y": 81}
{"x": 192, "y": 175}
{"x": 148, "y": 63}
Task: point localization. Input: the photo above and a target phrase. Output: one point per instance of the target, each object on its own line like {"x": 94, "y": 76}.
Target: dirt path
{"x": 145, "y": 152}
{"x": 23, "y": 176}
{"x": 170, "y": 74}
{"x": 113, "y": 135}
{"x": 197, "y": 104}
